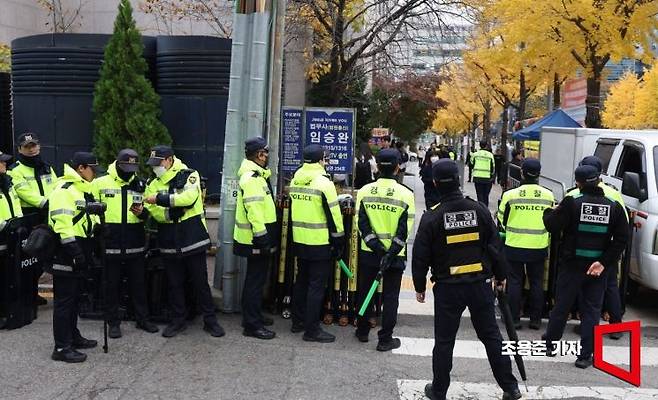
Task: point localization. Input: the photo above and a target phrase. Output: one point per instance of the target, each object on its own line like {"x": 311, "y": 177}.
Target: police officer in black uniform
{"x": 594, "y": 234}
{"x": 453, "y": 239}
{"x": 611, "y": 299}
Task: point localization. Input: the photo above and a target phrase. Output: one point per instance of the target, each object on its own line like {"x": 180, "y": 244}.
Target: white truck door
{"x": 632, "y": 158}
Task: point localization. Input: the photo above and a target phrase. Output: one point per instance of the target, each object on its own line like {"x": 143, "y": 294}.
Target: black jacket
{"x": 431, "y": 250}
{"x": 431, "y": 193}
{"x": 566, "y": 219}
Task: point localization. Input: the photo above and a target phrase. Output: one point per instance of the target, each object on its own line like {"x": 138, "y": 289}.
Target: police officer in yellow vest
{"x": 385, "y": 217}
{"x": 173, "y": 199}
{"x": 484, "y": 170}
{"x": 70, "y": 220}
{"x": 611, "y": 300}
{"x": 520, "y": 217}
{"x": 33, "y": 180}
{"x": 318, "y": 236}
{"x": 125, "y": 242}
{"x": 9, "y": 202}
{"x": 454, "y": 241}
{"x": 254, "y": 234}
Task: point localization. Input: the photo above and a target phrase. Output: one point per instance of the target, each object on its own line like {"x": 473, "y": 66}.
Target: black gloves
{"x": 395, "y": 248}
{"x": 263, "y": 244}
{"x": 386, "y": 262}
{"x": 176, "y": 213}
{"x": 137, "y": 185}
{"x": 375, "y": 245}
{"x": 99, "y": 230}
{"x": 337, "y": 246}
{"x": 74, "y": 250}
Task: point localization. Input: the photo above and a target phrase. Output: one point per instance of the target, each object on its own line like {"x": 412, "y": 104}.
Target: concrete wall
{"x": 20, "y": 18}
{"x": 295, "y": 72}
{"x": 98, "y": 16}
{"x": 25, "y": 17}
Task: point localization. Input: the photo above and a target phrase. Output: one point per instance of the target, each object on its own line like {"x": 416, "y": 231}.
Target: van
{"x": 629, "y": 165}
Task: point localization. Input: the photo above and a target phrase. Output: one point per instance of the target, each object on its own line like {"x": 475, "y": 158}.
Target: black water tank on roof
{"x": 192, "y": 80}
{"x": 53, "y": 78}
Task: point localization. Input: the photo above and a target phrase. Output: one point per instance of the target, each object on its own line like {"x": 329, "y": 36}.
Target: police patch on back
{"x": 460, "y": 220}
{"x": 597, "y": 213}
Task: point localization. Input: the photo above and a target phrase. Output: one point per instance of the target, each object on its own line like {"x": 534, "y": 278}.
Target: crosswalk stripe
{"x": 616, "y": 355}
{"x": 414, "y": 390}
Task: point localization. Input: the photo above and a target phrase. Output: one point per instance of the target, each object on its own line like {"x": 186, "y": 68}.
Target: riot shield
{"x": 18, "y": 277}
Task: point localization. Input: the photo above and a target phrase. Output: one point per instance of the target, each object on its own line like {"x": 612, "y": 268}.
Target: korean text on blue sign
{"x": 291, "y": 134}
{"x": 333, "y": 130}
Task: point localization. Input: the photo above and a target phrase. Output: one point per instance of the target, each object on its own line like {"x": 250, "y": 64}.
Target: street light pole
{"x": 246, "y": 114}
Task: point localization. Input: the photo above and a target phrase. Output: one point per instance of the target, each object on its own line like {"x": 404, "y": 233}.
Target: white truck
{"x": 630, "y": 164}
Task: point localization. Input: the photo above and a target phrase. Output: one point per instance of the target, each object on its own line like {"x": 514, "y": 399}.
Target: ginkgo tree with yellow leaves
{"x": 466, "y": 102}
{"x": 646, "y": 100}
{"x": 591, "y": 32}
{"x": 633, "y": 103}
{"x": 507, "y": 61}
{"x": 619, "y": 108}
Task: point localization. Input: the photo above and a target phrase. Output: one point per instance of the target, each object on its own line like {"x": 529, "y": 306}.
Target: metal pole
{"x": 225, "y": 268}
{"x": 274, "y": 127}
{"x": 245, "y": 117}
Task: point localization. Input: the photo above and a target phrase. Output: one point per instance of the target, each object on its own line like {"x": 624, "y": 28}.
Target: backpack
{"x": 43, "y": 242}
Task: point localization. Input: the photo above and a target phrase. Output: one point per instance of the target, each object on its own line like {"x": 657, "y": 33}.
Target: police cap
{"x": 594, "y": 161}
{"x": 4, "y": 157}
{"x": 159, "y": 153}
{"x": 445, "y": 171}
{"x": 313, "y": 153}
{"x": 127, "y": 160}
{"x": 586, "y": 174}
{"x": 531, "y": 167}
{"x": 254, "y": 144}
{"x": 84, "y": 158}
{"x": 27, "y": 138}
{"x": 388, "y": 157}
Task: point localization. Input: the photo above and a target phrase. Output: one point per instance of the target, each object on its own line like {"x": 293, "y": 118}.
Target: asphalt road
{"x": 197, "y": 366}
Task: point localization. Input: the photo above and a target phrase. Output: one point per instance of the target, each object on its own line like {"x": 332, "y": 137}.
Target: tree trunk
{"x": 476, "y": 123}
{"x": 556, "y": 91}
{"x": 523, "y": 97}
{"x": 337, "y": 91}
{"x": 336, "y": 73}
{"x": 486, "y": 122}
{"x": 593, "y": 103}
{"x": 503, "y": 130}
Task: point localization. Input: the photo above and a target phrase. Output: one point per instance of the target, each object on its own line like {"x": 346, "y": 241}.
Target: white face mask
{"x": 434, "y": 159}
{"x": 159, "y": 170}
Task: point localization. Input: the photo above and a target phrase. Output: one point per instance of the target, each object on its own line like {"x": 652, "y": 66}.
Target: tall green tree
{"x": 126, "y": 108}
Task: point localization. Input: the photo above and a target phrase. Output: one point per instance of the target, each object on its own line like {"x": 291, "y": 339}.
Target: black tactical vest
{"x": 461, "y": 235}
{"x": 593, "y": 216}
